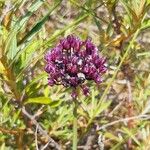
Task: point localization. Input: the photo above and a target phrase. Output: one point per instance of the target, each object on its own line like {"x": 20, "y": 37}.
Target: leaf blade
{"x": 38, "y": 100}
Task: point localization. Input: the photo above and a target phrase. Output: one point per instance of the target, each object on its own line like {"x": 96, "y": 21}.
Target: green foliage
{"x": 120, "y": 29}
{"x": 40, "y": 100}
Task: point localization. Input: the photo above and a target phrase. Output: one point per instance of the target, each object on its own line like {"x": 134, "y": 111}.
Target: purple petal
{"x": 51, "y": 82}
{"x": 85, "y": 90}
{"x": 74, "y": 94}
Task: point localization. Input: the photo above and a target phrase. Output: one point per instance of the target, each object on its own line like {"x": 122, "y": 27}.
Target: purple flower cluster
{"x": 72, "y": 62}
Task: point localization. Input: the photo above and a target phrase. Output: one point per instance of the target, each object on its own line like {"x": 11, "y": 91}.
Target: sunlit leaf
{"x": 39, "y": 100}
{"x": 111, "y": 136}
{"x": 55, "y": 103}
{"x": 145, "y": 24}
{"x": 11, "y": 46}
{"x": 40, "y": 23}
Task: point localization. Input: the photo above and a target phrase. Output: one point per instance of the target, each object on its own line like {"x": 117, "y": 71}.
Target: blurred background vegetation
{"x": 116, "y": 114}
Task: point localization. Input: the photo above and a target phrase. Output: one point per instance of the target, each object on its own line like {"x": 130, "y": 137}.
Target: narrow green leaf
{"x": 15, "y": 117}
{"x": 130, "y": 10}
{"x": 21, "y": 21}
{"x": 40, "y": 23}
{"x": 35, "y": 5}
{"x": 39, "y": 100}
{"x": 26, "y": 52}
{"x": 129, "y": 132}
{"x": 11, "y": 46}
{"x": 27, "y": 56}
{"x": 145, "y": 24}
{"x": 102, "y": 107}
{"x": 113, "y": 137}
{"x": 146, "y": 54}
{"x": 55, "y": 103}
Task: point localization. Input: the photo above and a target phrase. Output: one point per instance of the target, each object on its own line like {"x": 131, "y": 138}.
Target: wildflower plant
{"x": 71, "y": 63}
{"x": 34, "y": 117}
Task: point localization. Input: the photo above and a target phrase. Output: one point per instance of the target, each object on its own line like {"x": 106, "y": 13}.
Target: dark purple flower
{"x": 51, "y": 82}
{"x": 74, "y": 94}
{"x": 74, "y": 61}
{"x": 85, "y": 89}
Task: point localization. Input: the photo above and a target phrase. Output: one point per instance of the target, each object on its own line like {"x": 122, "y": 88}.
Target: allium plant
{"x": 72, "y": 62}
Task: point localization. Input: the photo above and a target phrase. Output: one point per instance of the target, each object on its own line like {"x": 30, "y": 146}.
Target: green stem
{"x": 75, "y": 134}
{"x": 114, "y": 75}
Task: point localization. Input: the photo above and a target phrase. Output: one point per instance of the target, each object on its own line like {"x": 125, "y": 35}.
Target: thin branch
{"x": 45, "y": 146}
{"x": 9, "y": 131}
{"x": 38, "y": 113}
{"x": 129, "y": 91}
{"x": 36, "y": 141}
{"x": 41, "y": 130}
{"x": 116, "y": 108}
{"x": 143, "y": 117}
{"x": 101, "y": 142}
{"x": 129, "y": 113}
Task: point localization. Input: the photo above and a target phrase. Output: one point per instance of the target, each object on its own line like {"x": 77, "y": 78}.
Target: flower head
{"x": 74, "y": 61}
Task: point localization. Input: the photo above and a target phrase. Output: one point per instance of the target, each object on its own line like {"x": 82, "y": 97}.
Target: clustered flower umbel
{"x": 74, "y": 61}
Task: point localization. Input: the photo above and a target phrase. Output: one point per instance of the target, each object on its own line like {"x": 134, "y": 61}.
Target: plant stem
{"x": 11, "y": 78}
{"x": 75, "y": 134}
